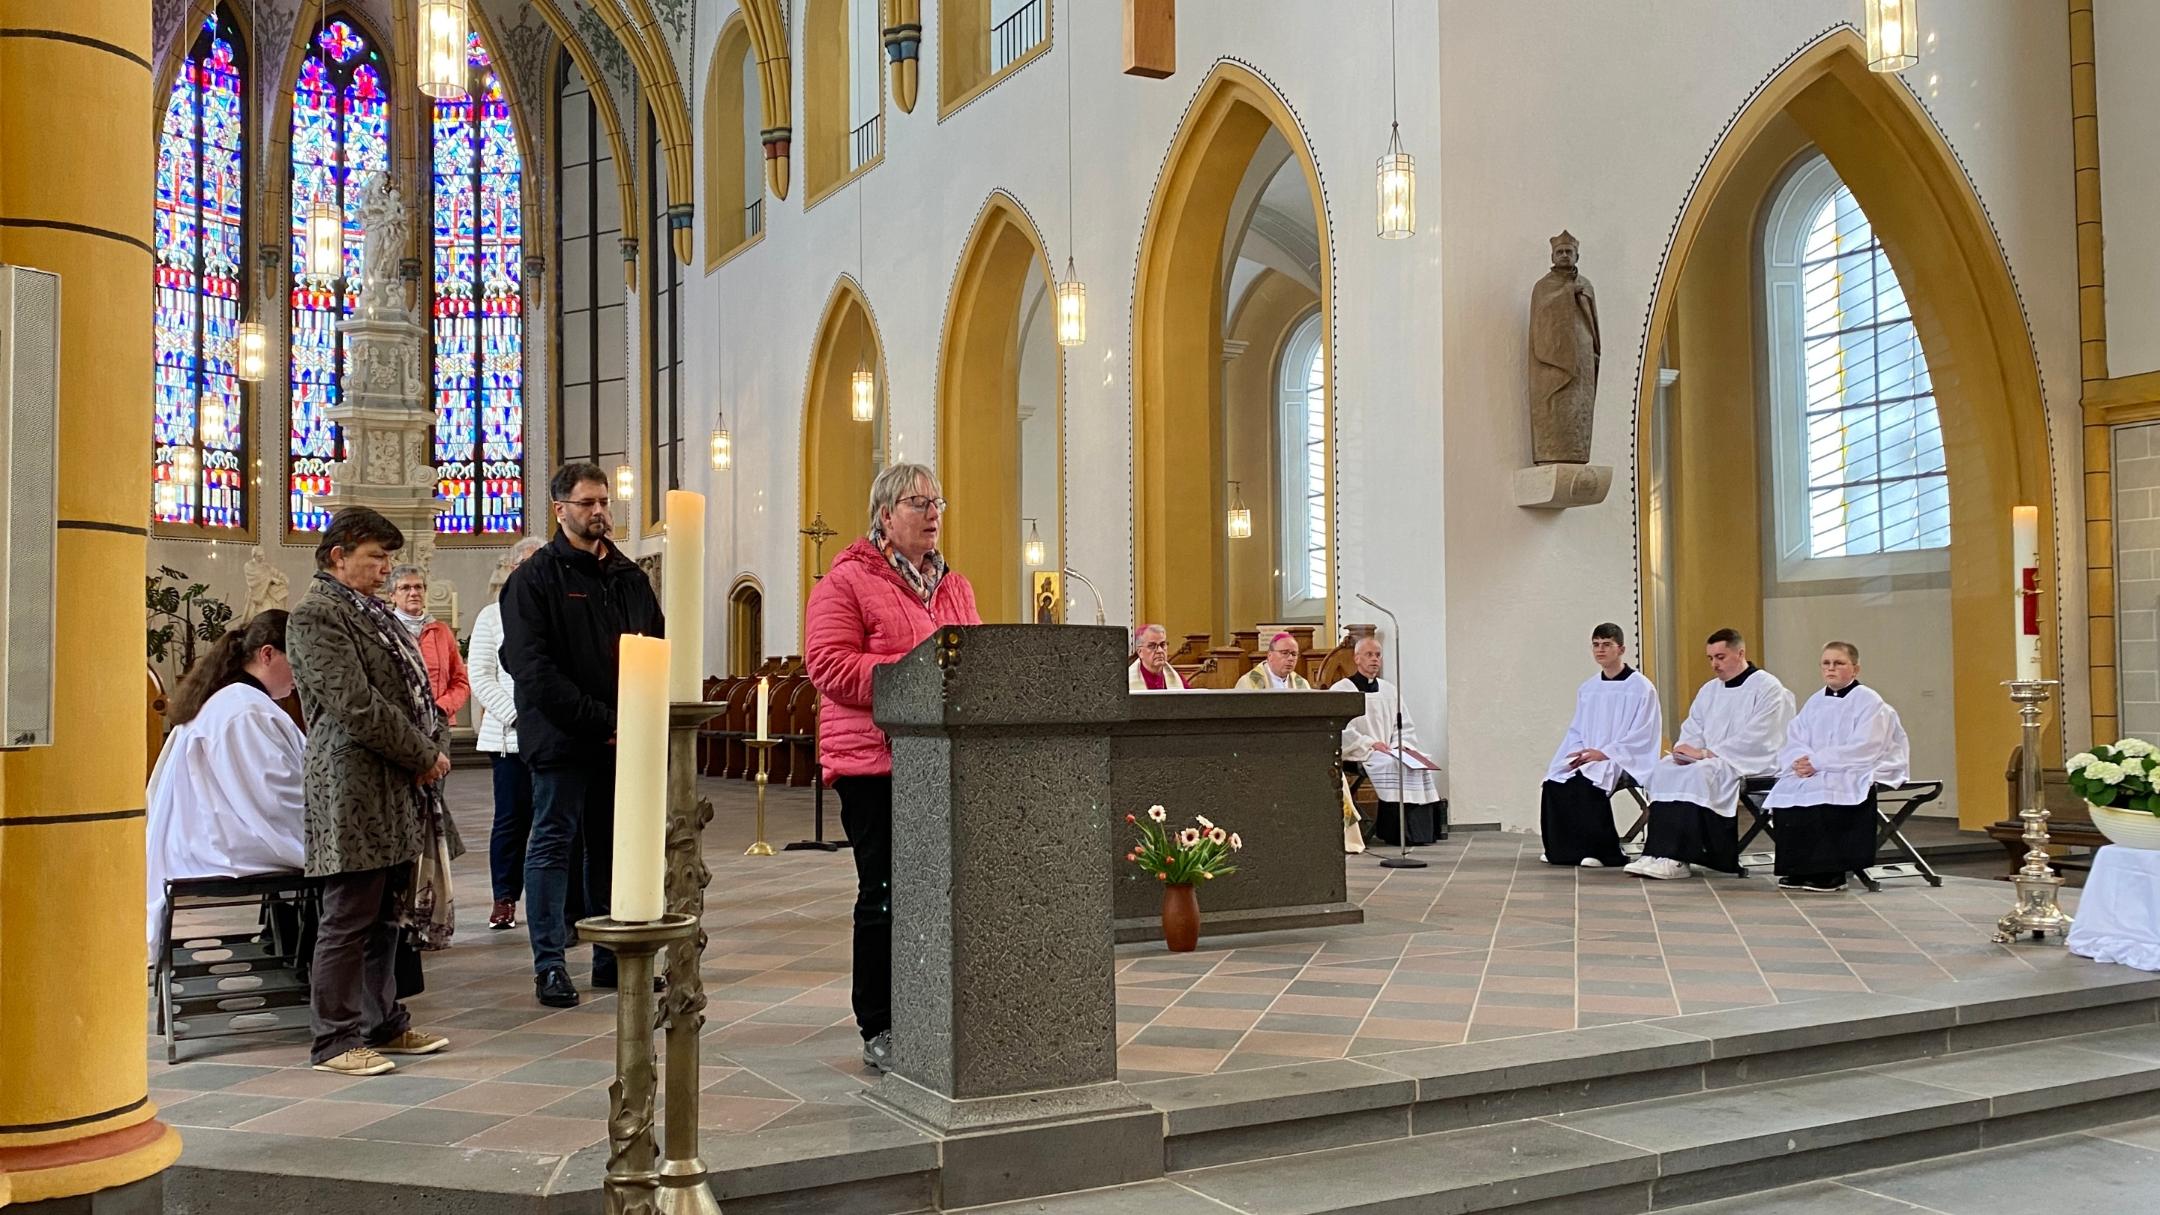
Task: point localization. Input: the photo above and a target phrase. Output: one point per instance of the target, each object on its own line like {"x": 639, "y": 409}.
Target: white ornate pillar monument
{"x": 382, "y": 410}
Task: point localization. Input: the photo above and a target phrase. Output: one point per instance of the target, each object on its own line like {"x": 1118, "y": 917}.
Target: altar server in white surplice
{"x": 1369, "y": 742}
{"x": 1846, "y": 742}
{"x": 1615, "y": 731}
{"x": 224, "y": 797}
{"x": 1733, "y": 731}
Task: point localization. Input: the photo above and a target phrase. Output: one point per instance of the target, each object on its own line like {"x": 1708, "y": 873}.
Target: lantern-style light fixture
{"x": 1397, "y": 187}
{"x": 1396, "y": 175}
{"x": 1893, "y": 34}
{"x": 1032, "y": 551}
{"x": 1071, "y": 308}
{"x": 625, "y": 482}
{"x": 1240, "y": 522}
{"x": 442, "y": 48}
{"x": 862, "y": 388}
{"x": 325, "y": 233}
{"x": 251, "y": 351}
{"x": 215, "y": 426}
{"x": 723, "y": 446}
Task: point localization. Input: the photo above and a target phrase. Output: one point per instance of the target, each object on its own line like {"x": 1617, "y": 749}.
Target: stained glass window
{"x": 200, "y": 421}
{"x": 479, "y": 314}
{"x": 340, "y": 141}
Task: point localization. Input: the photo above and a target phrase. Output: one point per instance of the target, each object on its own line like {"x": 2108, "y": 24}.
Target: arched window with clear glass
{"x": 200, "y": 416}
{"x": 1859, "y": 476}
{"x": 340, "y": 141}
{"x": 1301, "y": 473}
{"x": 479, "y": 321}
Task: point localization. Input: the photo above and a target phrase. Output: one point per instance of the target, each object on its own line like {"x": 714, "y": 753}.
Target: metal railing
{"x": 753, "y": 218}
{"x": 1016, "y": 35}
{"x": 864, "y": 143}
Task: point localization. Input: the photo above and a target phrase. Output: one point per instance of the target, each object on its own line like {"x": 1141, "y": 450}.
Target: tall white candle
{"x": 683, "y": 578}
{"x": 2025, "y": 568}
{"x": 764, "y": 702}
{"x": 641, "y": 736}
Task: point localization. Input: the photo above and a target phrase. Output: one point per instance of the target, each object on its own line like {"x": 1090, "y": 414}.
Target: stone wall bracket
{"x": 1560, "y": 486}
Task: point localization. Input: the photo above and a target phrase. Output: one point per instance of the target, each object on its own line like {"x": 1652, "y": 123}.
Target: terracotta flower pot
{"x": 1180, "y": 918}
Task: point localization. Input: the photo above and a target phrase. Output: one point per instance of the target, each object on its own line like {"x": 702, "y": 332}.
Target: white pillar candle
{"x": 764, "y": 702}
{"x": 641, "y": 737}
{"x": 2025, "y": 552}
{"x": 683, "y": 578}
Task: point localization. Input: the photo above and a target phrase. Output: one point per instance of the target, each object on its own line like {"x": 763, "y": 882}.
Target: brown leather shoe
{"x": 504, "y": 915}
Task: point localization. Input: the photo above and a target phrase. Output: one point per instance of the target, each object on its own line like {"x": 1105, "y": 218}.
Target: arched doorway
{"x": 841, "y": 454}
{"x": 1001, "y": 413}
{"x": 1711, "y": 437}
{"x": 1237, "y": 219}
{"x": 746, "y": 626}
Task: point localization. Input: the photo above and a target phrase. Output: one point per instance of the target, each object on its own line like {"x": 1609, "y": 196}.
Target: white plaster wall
{"x": 1524, "y": 118}
{"x": 920, "y": 203}
{"x": 2124, "y": 34}
{"x": 1597, "y": 118}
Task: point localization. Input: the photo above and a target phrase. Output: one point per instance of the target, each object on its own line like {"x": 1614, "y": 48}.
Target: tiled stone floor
{"x": 1485, "y": 943}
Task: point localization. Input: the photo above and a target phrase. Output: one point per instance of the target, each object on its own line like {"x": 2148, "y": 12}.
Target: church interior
{"x": 1407, "y": 343}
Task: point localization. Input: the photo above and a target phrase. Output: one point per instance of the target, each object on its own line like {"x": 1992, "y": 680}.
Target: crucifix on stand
{"x": 819, "y": 532}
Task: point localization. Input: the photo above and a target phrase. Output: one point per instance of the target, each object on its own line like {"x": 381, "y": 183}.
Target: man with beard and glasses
{"x": 564, "y": 612}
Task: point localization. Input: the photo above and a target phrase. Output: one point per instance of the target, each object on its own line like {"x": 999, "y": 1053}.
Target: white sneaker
{"x": 1667, "y": 869}
{"x": 1591, "y": 862}
{"x": 1542, "y": 860}
{"x": 1640, "y": 866}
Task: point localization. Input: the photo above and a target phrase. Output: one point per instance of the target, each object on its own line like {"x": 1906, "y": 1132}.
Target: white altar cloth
{"x": 2118, "y": 912}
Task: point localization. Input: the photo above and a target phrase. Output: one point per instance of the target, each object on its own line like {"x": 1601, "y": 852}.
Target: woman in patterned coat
{"x": 371, "y": 780}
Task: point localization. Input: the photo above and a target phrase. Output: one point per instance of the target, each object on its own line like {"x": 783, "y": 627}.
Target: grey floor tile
{"x": 2075, "y": 1173}
{"x": 440, "y": 1127}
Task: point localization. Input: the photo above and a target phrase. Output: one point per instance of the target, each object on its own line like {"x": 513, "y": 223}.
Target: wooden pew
{"x": 800, "y": 741}
{"x": 1339, "y": 662}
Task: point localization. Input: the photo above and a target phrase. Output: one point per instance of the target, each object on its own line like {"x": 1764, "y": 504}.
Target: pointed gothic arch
{"x": 1179, "y": 498}
{"x": 1971, "y": 324}
{"x": 981, "y": 414}
{"x": 840, "y": 455}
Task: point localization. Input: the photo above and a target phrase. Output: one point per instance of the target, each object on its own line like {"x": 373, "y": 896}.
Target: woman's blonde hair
{"x": 897, "y": 482}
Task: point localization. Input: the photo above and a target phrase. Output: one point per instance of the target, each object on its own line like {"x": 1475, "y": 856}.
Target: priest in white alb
{"x": 1400, "y": 775}
{"x": 1615, "y": 732}
{"x": 1151, "y": 670}
{"x": 1732, "y": 732}
{"x": 224, "y": 797}
{"x": 1846, "y": 743}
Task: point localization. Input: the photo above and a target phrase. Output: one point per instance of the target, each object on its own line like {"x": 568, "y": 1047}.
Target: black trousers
{"x": 353, "y": 999}
{"x": 1821, "y": 844}
{"x": 866, "y": 817}
{"x": 1575, "y": 819}
{"x": 1698, "y": 835}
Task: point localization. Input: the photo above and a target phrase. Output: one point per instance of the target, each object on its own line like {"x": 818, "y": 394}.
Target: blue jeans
{"x": 570, "y": 858}
{"x": 513, "y": 826}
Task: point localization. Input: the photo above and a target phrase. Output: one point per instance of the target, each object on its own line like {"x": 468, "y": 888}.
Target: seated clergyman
{"x": 1846, "y": 742}
{"x": 1398, "y": 773}
{"x": 1733, "y": 731}
{"x": 1151, "y": 670}
{"x": 1279, "y": 671}
{"x": 1615, "y": 731}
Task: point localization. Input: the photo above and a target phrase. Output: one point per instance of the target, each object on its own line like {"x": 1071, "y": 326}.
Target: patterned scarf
{"x": 431, "y": 911}
{"x": 922, "y": 580}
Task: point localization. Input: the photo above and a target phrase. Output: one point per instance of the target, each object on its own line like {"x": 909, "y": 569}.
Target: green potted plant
{"x": 2117, "y": 783}
{"x": 1181, "y": 859}
{"x": 189, "y": 612}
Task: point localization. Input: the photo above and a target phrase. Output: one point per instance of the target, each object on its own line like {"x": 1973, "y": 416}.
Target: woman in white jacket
{"x": 497, "y": 706}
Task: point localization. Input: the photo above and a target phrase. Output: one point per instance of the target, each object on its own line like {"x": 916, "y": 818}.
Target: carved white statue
{"x": 384, "y": 232}
{"x": 267, "y": 586}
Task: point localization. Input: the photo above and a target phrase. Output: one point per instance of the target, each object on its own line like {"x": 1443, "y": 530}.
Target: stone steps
{"x": 1673, "y": 1150}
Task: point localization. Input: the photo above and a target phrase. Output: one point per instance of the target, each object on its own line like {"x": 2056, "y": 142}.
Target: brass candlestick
{"x": 633, "y": 1177}
{"x": 763, "y": 747}
{"x": 683, "y": 1188}
{"x": 2037, "y": 911}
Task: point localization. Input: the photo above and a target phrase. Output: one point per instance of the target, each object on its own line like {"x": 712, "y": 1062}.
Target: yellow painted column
{"x": 75, "y": 198}
{"x": 2099, "y": 453}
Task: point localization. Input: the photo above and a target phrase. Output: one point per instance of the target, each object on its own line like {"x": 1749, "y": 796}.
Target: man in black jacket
{"x": 564, "y": 612}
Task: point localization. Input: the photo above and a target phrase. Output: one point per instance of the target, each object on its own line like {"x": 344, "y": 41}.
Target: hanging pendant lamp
{"x": 1032, "y": 551}
{"x": 442, "y": 48}
{"x": 625, "y": 482}
{"x": 1396, "y": 173}
{"x": 723, "y": 446}
{"x": 1071, "y": 293}
{"x": 1240, "y": 520}
{"x": 1893, "y": 34}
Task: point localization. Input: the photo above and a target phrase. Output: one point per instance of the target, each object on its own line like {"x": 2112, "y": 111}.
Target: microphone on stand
{"x": 1402, "y": 859}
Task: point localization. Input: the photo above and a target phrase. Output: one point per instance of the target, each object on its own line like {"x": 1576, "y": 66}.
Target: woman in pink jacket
{"x": 884, "y": 594}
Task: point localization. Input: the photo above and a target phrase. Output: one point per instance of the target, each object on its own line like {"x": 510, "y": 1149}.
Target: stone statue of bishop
{"x": 1564, "y": 350}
